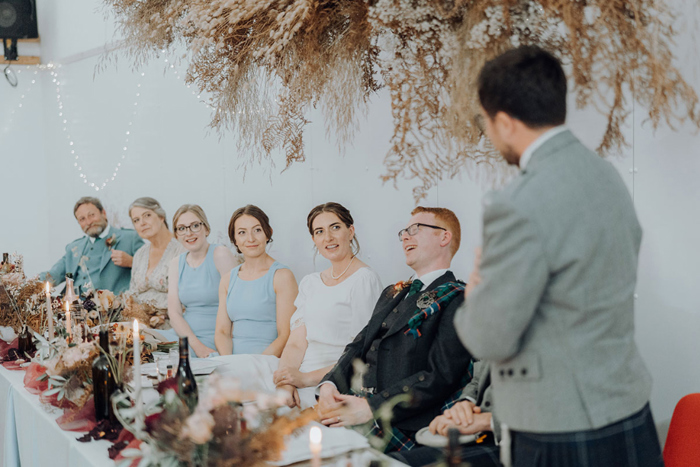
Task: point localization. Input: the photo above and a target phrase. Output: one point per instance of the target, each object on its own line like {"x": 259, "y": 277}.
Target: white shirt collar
{"x": 102, "y": 235}
{"x": 543, "y": 138}
{"x": 429, "y": 277}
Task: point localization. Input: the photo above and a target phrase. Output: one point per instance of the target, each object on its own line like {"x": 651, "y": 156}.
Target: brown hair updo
{"x": 257, "y": 213}
{"x": 342, "y": 213}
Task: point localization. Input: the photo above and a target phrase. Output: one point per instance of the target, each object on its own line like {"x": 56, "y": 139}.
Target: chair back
{"x": 683, "y": 441}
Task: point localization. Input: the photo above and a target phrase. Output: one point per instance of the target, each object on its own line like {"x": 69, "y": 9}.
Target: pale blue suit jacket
{"x": 110, "y": 276}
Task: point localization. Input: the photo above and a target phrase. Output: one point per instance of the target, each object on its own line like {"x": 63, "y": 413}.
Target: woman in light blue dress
{"x": 256, "y": 298}
{"x": 194, "y": 278}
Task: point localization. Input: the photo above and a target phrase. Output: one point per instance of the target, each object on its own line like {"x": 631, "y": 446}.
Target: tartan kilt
{"x": 398, "y": 442}
{"x": 631, "y": 442}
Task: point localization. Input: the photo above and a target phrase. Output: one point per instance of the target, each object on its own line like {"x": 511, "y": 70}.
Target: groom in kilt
{"x": 409, "y": 348}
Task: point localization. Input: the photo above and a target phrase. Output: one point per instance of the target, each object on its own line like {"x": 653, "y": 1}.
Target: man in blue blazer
{"x": 102, "y": 257}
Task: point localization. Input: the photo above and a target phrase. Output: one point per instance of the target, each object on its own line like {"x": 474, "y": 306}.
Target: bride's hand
{"x": 293, "y": 399}
{"x": 290, "y": 376}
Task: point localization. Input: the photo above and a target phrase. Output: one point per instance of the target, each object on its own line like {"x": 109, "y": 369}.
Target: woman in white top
{"x": 333, "y": 306}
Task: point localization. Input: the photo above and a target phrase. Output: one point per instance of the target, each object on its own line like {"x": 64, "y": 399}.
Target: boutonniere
{"x": 398, "y": 287}
{"x": 111, "y": 241}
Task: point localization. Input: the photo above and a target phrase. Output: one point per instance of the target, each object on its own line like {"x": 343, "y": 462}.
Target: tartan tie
{"x": 416, "y": 285}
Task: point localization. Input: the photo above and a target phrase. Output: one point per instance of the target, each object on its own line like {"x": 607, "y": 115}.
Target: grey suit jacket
{"x": 480, "y": 392}
{"x": 554, "y": 313}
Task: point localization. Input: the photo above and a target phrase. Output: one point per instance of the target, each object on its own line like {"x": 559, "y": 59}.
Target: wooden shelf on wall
{"x": 22, "y": 60}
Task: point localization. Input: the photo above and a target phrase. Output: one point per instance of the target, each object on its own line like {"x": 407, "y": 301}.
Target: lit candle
{"x": 137, "y": 372}
{"x": 70, "y": 334}
{"x": 49, "y": 311}
{"x": 315, "y": 436}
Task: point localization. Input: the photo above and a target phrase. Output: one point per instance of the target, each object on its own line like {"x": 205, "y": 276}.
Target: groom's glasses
{"x": 194, "y": 228}
{"x": 412, "y": 229}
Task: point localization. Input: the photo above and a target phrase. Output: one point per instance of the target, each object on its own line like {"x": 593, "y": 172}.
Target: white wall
{"x": 173, "y": 157}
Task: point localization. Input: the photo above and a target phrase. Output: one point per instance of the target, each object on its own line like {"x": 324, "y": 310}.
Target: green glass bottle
{"x": 186, "y": 385}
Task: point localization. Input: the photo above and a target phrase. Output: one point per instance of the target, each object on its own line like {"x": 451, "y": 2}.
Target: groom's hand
{"x": 348, "y": 411}
{"x": 328, "y": 399}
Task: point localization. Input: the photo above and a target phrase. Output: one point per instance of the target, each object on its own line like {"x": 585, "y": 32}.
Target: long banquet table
{"x": 31, "y": 436}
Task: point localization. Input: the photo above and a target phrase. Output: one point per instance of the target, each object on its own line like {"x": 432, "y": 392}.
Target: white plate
{"x": 335, "y": 441}
{"x": 426, "y": 438}
{"x": 200, "y": 366}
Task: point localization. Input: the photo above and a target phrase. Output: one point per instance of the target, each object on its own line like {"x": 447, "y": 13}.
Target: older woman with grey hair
{"x": 149, "y": 273}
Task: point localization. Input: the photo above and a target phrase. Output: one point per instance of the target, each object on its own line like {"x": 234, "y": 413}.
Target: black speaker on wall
{"x": 18, "y": 19}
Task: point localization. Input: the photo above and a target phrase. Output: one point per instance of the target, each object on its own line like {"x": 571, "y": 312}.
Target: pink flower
{"x": 198, "y": 427}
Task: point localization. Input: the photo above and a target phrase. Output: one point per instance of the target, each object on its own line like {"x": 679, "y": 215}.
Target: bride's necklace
{"x": 334, "y": 277}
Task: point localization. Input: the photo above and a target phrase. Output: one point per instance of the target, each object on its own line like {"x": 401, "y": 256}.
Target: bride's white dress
{"x": 333, "y": 316}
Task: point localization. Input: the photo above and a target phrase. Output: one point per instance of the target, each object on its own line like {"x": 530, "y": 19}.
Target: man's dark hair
{"x": 527, "y": 83}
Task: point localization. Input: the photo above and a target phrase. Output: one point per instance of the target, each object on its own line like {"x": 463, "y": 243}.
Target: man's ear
{"x": 504, "y": 123}
{"x": 446, "y": 238}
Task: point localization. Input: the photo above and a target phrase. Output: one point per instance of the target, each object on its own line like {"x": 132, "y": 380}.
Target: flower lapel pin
{"x": 111, "y": 241}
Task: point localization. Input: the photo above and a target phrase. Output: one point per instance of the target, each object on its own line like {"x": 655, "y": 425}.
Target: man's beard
{"x": 96, "y": 229}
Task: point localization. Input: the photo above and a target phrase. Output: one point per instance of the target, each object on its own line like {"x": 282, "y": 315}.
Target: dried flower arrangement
{"x": 102, "y": 307}
{"x": 69, "y": 373}
{"x": 66, "y": 365}
{"x": 23, "y": 301}
{"x": 266, "y": 62}
{"x": 229, "y": 427}
{"x": 145, "y": 312}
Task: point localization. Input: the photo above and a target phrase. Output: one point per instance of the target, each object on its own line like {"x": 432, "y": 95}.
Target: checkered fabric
{"x": 631, "y": 442}
{"x": 398, "y": 440}
{"x": 443, "y": 296}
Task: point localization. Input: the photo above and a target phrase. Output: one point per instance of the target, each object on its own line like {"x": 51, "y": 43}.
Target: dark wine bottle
{"x": 103, "y": 381}
{"x": 25, "y": 342}
{"x": 186, "y": 385}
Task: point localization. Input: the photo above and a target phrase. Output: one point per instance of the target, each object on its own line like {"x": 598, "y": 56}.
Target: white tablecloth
{"x": 32, "y": 438}
{"x": 37, "y": 440}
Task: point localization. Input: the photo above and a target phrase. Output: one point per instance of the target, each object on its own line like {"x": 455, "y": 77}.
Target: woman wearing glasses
{"x": 256, "y": 299}
{"x": 194, "y": 278}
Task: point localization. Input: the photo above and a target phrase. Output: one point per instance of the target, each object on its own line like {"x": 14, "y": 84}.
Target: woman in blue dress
{"x": 194, "y": 278}
{"x": 256, "y": 299}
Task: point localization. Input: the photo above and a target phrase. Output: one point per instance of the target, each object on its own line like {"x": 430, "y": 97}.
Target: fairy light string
{"x": 65, "y": 124}
{"x": 77, "y": 158}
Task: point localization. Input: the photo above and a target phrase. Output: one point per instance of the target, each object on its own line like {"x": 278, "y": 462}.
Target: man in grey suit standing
{"x": 550, "y": 302}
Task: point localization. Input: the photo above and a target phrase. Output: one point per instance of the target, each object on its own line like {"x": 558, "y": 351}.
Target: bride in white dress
{"x": 333, "y": 306}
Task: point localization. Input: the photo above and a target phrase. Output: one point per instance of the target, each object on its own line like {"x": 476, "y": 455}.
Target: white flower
{"x": 198, "y": 427}
{"x": 7, "y": 334}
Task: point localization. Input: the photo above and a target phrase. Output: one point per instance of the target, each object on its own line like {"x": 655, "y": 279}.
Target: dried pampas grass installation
{"x": 267, "y": 62}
